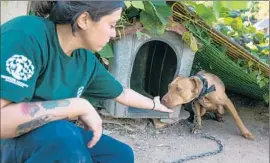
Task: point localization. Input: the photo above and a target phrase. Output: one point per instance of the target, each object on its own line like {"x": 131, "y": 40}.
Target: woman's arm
{"x": 18, "y": 119}
{"x": 134, "y": 99}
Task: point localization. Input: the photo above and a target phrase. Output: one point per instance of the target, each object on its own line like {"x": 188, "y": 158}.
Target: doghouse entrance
{"x": 153, "y": 69}
{"x": 148, "y": 65}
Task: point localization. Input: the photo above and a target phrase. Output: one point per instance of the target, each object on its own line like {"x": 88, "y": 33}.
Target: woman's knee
{"x": 70, "y": 149}
{"x": 56, "y": 130}
{"x": 62, "y": 139}
{"x": 61, "y": 149}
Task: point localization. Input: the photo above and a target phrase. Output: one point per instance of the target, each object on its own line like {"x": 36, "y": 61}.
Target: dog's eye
{"x": 178, "y": 89}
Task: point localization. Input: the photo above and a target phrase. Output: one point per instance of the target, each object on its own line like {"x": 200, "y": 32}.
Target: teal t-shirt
{"x": 35, "y": 68}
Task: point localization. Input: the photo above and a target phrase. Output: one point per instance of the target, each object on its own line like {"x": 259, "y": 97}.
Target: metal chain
{"x": 210, "y": 153}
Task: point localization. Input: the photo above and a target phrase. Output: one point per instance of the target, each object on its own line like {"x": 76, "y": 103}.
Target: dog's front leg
{"x": 198, "y": 120}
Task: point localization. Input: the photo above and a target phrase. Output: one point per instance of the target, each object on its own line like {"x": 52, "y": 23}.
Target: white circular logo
{"x": 20, "y": 67}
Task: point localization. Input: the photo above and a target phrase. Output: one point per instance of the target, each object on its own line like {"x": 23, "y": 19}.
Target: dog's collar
{"x": 205, "y": 89}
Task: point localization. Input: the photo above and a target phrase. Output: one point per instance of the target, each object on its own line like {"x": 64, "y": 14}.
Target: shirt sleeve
{"x": 20, "y": 66}
{"x": 104, "y": 85}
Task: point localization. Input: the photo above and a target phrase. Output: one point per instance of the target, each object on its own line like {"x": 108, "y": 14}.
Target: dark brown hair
{"x": 67, "y": 12}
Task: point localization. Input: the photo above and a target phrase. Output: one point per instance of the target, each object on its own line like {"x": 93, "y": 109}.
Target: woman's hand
{"x": 93, "y": 122}
{"x": 159, "y": 107}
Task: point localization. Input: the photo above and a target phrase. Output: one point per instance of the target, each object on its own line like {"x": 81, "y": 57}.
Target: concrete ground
{"x": 175, "y": 142}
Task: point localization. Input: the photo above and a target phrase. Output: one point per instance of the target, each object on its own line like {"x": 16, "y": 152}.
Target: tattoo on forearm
{"x": 30, "y": 109}
{"x": 29, "y": 126}
{"x": 53, "y": 104}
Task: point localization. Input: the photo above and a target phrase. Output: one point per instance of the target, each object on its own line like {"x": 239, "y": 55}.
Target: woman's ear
{"x": 84, "y": 21}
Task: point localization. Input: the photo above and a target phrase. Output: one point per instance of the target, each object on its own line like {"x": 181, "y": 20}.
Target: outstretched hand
{"x": 159, "y": 106}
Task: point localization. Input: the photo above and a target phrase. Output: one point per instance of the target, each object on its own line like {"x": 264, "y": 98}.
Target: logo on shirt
{"x": 21, "y": 69}
{"x": 80, "y": 90}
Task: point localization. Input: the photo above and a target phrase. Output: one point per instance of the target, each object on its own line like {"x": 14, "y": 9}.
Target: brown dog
{"x": 208, "y": 94}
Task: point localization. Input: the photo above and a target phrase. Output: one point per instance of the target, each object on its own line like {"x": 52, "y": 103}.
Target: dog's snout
{"x": 164, "y": 100}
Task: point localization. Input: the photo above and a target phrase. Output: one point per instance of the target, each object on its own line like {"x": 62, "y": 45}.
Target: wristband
{"x": 154, "y": 105}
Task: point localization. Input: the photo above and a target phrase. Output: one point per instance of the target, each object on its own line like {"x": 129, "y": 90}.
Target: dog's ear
{"x": 197, "y": 84}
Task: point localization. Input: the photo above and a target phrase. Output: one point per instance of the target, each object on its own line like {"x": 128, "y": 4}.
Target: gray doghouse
{"x": 148, "y": 65}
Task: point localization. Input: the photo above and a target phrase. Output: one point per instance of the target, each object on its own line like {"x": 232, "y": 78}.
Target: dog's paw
{"x": 195, "y": 130}
{"x": 158, "y": 124}
{"x": 249, "y": 136}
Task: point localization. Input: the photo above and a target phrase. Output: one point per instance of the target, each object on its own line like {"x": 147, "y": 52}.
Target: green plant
{"x": 232, "y": 18}
{"x": 154, "y": 16}
{"x": 235, "y": 20}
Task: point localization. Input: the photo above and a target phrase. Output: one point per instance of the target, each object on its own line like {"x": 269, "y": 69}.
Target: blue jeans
{"x": 63, "y": 142}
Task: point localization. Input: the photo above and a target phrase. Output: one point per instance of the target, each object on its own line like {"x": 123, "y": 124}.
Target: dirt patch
{"x": 175, "y": 141}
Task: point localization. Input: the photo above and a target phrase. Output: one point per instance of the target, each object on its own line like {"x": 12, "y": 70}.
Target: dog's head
{"x": 182, "y": 90}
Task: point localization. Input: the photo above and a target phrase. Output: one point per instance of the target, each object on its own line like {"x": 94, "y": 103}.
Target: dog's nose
{"x": 164, "y": 101}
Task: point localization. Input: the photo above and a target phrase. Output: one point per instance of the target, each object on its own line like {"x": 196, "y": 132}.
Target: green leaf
{"x": 149, "y": 8}
{"x": 259, "y": 78}
{"x": 217, "y": 8}
{"x": 264, "y": 59}
{"x": 265, "y": 52}
{"x": 251, "y": 46}
{"x": 151, "y": 23}
{"x": 205, "y": 13}
{"x": 253, "y": 74}
{"x": 262, "y": 84}
{"x": 237, "y": 24}
{"x": 154, "y": 17}
{"x": 190, "y": 40}
{"x": 260, "y": 36}
{"x": 132, "y": 12}
{"x": 137, "y": 4}
{"x": 186, "y": 36}
{"x": 159, "y": 3}
{"x": 106, "y": 52}
{"x": 163, "y": 9}
{"x": 250, "y": 63}
{"x": 127, "y": 3}
{"x": 159, "y": 12}
{"x": 228, "y": 20}
{"x": 224, "y": 11}
{"x": 235, "y": 5}
{"x": 251, "y": 29}
{"x": 266, "y": 97}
